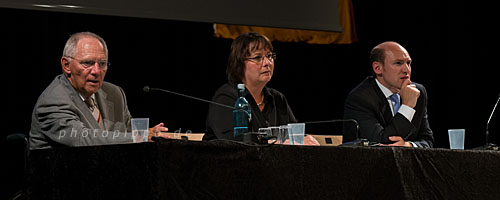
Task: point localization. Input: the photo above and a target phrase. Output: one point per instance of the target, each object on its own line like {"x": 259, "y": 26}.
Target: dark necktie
{"x": 397, "y": 104}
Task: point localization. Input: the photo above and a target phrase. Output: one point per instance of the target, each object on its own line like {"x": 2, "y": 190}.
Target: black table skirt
{"x": 173, "y": 169}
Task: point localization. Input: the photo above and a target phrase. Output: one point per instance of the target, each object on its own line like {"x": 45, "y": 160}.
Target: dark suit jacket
{"x": 61, "y": 118}
{"x": 367, "y": 104}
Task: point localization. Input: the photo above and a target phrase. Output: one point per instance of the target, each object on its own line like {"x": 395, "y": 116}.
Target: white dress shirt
{"x": 405, "y": 110}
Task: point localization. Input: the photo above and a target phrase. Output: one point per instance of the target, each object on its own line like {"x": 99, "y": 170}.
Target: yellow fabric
{"x": 346, "y": 16}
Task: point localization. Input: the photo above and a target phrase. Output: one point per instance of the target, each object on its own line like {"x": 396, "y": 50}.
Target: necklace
{"x": 261, "y": 102}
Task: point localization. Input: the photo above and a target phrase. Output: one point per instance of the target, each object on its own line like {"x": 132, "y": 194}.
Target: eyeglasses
{"x": 103, "y": 64}
{"x": 271, "y": 56}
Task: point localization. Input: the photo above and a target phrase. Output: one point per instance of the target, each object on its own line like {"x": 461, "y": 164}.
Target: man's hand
{"x": 398, "y": 142}
{"x": 409, "y": 94}
{"x": 310, "y": 140}
{"x": 156, "y": 131}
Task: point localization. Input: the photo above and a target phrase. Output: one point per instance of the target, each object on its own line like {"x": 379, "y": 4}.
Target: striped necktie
{"x": 95, "y": 111}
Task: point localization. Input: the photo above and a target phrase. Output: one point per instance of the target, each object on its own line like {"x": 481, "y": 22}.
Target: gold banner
{"x": 346, "y": 17}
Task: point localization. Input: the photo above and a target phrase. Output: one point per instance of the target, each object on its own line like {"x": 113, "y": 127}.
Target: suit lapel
{"x": 387, "y": 113}
{"x": 384, "y": 111}
{"x": 105, "y": 106}
{"x": 80, "y": 104}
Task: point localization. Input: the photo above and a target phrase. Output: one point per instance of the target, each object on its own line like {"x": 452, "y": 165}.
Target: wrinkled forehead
{"x": 90, "y": 47}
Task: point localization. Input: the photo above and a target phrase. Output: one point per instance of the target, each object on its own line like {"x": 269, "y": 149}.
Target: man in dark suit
{"x": 79, "y": 108}
{"x": 389, "y": 108}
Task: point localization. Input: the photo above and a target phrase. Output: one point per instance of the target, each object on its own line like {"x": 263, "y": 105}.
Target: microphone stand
{"x": 490, "y": 146}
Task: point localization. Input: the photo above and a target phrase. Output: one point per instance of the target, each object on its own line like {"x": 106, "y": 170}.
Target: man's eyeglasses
{"x": 271, "y": 56}
{"x": 103, "y": 64}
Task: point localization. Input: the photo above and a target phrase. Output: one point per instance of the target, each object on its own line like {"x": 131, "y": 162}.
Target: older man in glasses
{"x": 79, "y": 108}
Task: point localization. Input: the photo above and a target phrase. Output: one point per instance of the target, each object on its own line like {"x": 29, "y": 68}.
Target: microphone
{"x": 147, "y": 89}
{"x": 490, "y": 145}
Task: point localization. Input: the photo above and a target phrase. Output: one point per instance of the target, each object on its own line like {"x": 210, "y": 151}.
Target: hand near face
{"x": 409, "y": 93}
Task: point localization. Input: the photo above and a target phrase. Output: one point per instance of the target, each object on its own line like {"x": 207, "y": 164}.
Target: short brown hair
{"x": 241, "y": 48}
{"x": 377, "y": 54}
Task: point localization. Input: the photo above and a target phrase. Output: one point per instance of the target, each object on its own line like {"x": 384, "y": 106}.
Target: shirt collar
{"x": 386, "y": 91}
{"x": 266, "y": 92}
{"x": 83, "y": 98}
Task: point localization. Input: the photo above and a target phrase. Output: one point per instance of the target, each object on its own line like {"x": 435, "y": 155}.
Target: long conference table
{"x": 177, "y": 169}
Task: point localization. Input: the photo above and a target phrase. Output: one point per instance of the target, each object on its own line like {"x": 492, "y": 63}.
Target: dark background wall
{"x": 449, "y": 46}
{"x": 450, "y": 43}
{"x": 449, "y": 59}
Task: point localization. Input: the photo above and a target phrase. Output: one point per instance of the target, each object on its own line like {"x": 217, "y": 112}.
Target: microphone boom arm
{"x": 489, "y": 119}
{"x": 184, "y": 95}
{"x": 147, "y": 89}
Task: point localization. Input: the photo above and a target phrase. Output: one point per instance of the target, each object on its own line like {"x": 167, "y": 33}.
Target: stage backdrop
{"x": 186, "y": 57}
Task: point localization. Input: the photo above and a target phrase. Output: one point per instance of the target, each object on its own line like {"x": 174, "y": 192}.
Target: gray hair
{"x": 70, "y": 47}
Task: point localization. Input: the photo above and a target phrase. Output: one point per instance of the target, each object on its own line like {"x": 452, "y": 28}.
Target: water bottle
{"x": 242, "y": 113}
